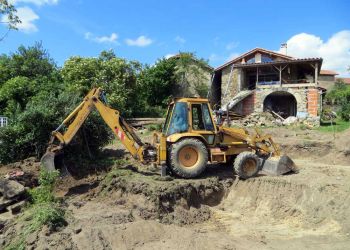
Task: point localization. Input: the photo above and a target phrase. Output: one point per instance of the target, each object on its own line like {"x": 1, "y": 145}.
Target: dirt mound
{"x": 166, "y": 199}
{"x": 322, "y": 206}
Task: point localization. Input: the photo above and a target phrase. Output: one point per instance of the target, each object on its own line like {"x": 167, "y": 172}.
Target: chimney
{"x": 283, "y": 48}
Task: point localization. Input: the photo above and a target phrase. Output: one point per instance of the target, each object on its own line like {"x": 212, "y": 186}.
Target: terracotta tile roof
{"x": 247, "y": 65}
{"x": 328, "y": 72}
{"x": 265, "y": 51}
{"x": 345, "y": 79}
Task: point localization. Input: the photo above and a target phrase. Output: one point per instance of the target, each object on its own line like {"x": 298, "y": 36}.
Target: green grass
{"x": 338, "y": 126}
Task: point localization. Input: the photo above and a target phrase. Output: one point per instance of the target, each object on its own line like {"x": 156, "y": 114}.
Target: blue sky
{"x": 215, "y": 30}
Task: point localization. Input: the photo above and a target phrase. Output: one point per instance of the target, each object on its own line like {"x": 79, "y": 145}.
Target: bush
{"x": 345, "y": 111}
{"x": 29, "y": 134}
{"x": 43, "y": 193}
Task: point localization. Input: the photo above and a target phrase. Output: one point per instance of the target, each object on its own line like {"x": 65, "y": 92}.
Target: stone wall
{"x": 234, "y": 84}
{"x": 299, "y": 94}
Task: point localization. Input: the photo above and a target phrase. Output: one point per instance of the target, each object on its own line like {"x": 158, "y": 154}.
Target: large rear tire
{"x": 246, "y": 165}
{"x": 188, "y": 158}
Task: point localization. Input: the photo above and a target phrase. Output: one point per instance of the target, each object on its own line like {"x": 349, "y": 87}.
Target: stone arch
{"x": 283, "y": 103}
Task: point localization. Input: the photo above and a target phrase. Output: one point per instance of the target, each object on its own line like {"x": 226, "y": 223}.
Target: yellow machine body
{"x": 189, "y": 139}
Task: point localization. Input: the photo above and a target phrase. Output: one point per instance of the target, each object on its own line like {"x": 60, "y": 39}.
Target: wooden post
{"x": 257, "y": 76}
{"x": 280, "y": 69}
{"x": 316, "y": 73}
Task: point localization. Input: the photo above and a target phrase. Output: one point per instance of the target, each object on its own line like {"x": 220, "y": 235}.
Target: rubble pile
{"x": 266, "y": 119}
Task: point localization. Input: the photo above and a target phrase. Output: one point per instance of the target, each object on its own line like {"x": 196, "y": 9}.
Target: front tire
{"x": 188, "y": 158}
{"x": 246, "y": 165}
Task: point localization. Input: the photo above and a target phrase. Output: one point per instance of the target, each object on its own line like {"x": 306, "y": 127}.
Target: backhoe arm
{"x": 95, "y": 99}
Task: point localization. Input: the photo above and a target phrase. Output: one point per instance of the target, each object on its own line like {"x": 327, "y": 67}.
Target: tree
{"x": 8, "y": 16}
{"x": 158, "y": 81}
{"x": 29, "y": 86}
{"x": 339, "y": 97}
{"x": 117, "y": 77}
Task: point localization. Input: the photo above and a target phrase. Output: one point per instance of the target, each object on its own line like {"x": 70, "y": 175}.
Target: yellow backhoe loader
{"x": 188, "y": 141}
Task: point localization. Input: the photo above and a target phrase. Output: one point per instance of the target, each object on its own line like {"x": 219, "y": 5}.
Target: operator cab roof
{"x": 189, "y": 99}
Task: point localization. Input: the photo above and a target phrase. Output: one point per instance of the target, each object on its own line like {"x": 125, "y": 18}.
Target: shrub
{"x": 345, "y": 111}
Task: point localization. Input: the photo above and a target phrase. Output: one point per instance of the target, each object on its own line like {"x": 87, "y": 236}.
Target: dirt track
{"x": 132, "y": 208}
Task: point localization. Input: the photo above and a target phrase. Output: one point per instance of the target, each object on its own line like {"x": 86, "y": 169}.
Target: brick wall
{"x": 248, "y": 104}
{"x": 312, "y": 102}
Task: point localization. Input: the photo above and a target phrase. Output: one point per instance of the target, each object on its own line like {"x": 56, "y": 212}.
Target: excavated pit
{"x": 135, "y": 208}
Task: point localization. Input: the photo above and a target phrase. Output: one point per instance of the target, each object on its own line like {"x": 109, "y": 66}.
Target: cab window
{"x": 179, "y": 121}
{"x": 170, "y": 111}
{"x": 201, "y": 119}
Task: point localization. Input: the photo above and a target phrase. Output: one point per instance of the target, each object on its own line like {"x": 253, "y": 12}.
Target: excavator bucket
{"x": 48, "y": 160}
{"x": 278, "y": 165}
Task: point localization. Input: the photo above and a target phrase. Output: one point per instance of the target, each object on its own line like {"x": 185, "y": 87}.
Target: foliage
{"x": 158, "y": 82}
{"x": 7, "y": 9}
{"x": 181, "y": 75}
{"x": 43, "y": 193}
{"x": 340, "y": 97}
{"x": 37, "y": 96}
{"x": 32, "y": 62}
{"x": 345, "y": 111}
{"x": 116, "y": 76}
{"x": 36, "y": 102}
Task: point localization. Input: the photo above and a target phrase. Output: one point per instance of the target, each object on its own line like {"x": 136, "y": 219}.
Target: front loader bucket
{"x": 278, "y": 165}
{"x": 49, "y": 161}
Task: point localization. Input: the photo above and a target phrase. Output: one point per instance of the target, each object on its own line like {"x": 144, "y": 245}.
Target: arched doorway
{"x": 281, "y": 102}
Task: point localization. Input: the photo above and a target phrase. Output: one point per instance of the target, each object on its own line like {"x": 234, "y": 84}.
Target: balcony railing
{"x": 288, "y": 84}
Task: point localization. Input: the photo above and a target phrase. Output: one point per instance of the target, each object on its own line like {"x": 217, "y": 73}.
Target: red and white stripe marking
{"x": 120, "y": 134}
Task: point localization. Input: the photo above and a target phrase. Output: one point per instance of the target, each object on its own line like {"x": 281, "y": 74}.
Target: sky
{"x": 215, "y": 30}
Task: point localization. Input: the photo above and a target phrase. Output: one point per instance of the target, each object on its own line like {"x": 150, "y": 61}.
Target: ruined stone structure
{"x": 283, "y": 84}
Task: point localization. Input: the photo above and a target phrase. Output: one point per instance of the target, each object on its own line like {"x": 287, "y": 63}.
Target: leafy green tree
{"x": 158, "y": 81}
{"x": 8, "y": 11}
{"x": 34, "y": 97}
{"x": 339, "y": 97}
{"x": 117, "y": 77}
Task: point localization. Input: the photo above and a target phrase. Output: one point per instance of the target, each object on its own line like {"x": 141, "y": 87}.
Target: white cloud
{"x": 36, "y": 2}
{"x": 167, "y": 56}
{"x": 232, "y": 45}
{"x": 102, "y": 39}
{"x": 214, "y": 57}
{"x": 27, "y": 17}
{"x": 180, "y": 40}
{"x": 141, "y": 41}
{"x": 232, "y": 56}
{"x": 335, "y": 51}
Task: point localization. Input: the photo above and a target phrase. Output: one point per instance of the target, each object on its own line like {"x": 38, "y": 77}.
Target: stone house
{"x": 327, "y": 78}
{"x": 266, "y": 80}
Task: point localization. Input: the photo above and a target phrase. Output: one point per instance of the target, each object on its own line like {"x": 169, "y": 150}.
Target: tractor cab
{"x": 189, "y": 117}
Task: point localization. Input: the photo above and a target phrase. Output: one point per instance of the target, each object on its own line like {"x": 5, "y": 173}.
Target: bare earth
{"x": 133, "y": 208}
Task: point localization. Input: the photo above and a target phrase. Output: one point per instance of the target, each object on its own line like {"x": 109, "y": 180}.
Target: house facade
{"x": 269, "y": 81}
{"x": 327, "y": 78}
